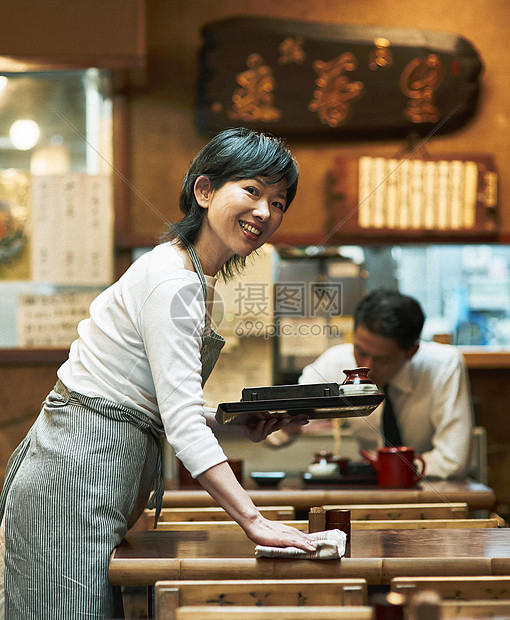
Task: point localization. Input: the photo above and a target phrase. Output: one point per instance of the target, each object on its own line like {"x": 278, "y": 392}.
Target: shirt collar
{"x": 402, "y": 380}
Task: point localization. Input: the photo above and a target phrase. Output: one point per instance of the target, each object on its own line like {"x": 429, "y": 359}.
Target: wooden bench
{"x": 440, "y": 510}
{"x": 395, "y": 524}
{"x": 467, "y": 610}
{"x": 218, "y": 525}
{"x": 275, "y": 613}
{"x": 215, "y": 513}
{"x": 423, "y": 524}
{"x": 269, "y": 593}
{"x": 456, "y": 587}
{"x": 428, "y": 605}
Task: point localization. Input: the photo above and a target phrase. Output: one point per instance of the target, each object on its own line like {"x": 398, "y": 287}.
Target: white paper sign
{"x": 51, "y": 320}
{"x": 72, "y": 237}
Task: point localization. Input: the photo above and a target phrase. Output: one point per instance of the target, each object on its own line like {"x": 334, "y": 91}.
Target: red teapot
{"x": 395, "y": 466}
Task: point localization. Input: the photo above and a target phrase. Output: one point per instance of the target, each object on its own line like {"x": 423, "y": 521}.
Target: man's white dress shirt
{"x": 431, "y": 400}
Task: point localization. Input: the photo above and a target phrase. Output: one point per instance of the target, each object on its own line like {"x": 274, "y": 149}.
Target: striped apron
{"x": 78, "y": 481}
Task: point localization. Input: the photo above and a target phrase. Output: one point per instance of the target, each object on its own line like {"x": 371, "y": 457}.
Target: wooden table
{"x": 376, "y": 555}
{"x": 478, "y": 496}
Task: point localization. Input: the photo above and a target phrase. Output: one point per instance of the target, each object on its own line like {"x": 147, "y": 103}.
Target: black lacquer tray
{"x": 316, "y": 407}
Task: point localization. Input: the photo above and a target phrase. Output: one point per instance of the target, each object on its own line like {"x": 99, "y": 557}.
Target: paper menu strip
{"x": 98, "y": 213}
{"x": 417, "y": 194}
{"x": 470, "y": 194}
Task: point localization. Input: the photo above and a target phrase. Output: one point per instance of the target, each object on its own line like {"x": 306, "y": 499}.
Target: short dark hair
{"x": 388, "y": 313}
{"x": 232, "y": 155}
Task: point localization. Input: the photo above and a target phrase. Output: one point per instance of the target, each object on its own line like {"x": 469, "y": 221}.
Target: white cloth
{"x": 141, "y": 348}
{"x": 330, "y": 546}
{"x": 430, "y": 397}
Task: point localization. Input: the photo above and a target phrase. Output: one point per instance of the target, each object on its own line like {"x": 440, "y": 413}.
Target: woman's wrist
{"x": 219, "y": 481}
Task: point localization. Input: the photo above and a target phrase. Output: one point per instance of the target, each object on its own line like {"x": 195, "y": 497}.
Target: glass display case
{"x": 56, "y": 202}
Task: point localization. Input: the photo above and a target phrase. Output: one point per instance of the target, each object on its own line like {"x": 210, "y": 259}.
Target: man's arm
{"x": 452, "y": 417}
{"x": 328, "y": 367}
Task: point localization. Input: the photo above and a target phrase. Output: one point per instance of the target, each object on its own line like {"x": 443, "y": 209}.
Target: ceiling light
{"x": 24, "y": 134}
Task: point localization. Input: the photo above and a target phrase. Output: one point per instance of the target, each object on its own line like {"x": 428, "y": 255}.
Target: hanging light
{"x": 24, "y": 134}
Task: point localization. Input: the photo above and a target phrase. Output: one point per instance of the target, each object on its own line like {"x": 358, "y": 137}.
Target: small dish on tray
{"x": 358, "y": 389}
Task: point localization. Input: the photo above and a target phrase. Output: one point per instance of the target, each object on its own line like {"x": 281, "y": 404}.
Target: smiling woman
{"x": 235, "y": 155}
{"x": 137, "y": 372}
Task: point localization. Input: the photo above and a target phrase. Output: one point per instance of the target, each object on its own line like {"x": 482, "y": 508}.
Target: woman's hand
{"x": 262, "y": 531}
{"x": 260, "y": 425}
{"x": 256, "y": 426}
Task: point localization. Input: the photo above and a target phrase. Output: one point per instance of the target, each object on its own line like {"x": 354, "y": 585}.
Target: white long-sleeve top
{"x": 431, "y": 400}
{"x": 140, "y": 348}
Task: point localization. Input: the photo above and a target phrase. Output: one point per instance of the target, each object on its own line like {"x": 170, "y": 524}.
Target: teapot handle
{"x": 419, "y": 474}
{"x": 370, "y": 457}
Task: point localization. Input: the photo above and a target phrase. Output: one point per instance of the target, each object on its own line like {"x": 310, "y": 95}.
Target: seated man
{"x": 425, "y": 382}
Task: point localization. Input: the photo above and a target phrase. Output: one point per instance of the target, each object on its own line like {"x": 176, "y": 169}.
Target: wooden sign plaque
{"x": 445, "y": 196}
{"x": 315, "y": 81}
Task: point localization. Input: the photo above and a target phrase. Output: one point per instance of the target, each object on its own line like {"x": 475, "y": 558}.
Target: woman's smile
{"x": 251, "y": 230}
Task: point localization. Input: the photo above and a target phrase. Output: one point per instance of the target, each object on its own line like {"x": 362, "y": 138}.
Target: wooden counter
{"x": 485, "y": 358}
{"x": 377, "y": 555}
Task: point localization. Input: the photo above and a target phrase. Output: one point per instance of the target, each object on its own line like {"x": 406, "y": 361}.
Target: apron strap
{"x": 198, "y": 267}
{"x": 156, "y": 499}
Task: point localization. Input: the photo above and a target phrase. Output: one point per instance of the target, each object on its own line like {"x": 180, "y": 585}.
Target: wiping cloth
{"x": 330, "y": 546}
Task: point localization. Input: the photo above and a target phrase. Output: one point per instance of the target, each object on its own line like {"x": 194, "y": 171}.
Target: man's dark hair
{"x": 388, "y": 313}
{"x": 232, "y": 155}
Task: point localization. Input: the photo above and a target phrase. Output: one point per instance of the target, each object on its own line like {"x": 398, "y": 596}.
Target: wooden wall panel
{"x": 23, "y": 389}
{"x": 491, "y": 387}
{"x": 87, "y": 33}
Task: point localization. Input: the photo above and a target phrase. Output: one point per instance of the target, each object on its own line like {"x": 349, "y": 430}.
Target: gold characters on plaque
{"x": 381, "y": 57}
{"x": 419, "y": 80}
{"x": 253, "y": 100}
{"x": 335, "y": 92}
{"x": 291, "y": 51}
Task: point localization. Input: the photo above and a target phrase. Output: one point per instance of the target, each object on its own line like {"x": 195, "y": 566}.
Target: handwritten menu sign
{"x": 444, "y": 195}
{"x": 72, "y": 239}
{"x": 51, "y": 320}
{"x": 416, "y": 193}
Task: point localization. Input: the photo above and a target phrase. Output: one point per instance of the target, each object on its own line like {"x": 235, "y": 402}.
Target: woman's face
{"x": 241, "y": 215}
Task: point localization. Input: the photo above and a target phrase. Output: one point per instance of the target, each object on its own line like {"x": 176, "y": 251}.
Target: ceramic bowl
{"x": 267, "y": 478}
{"x": 323, "y": 470}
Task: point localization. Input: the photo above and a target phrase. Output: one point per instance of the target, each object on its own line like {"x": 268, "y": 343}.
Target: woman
{"x": 84, "y": 473}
